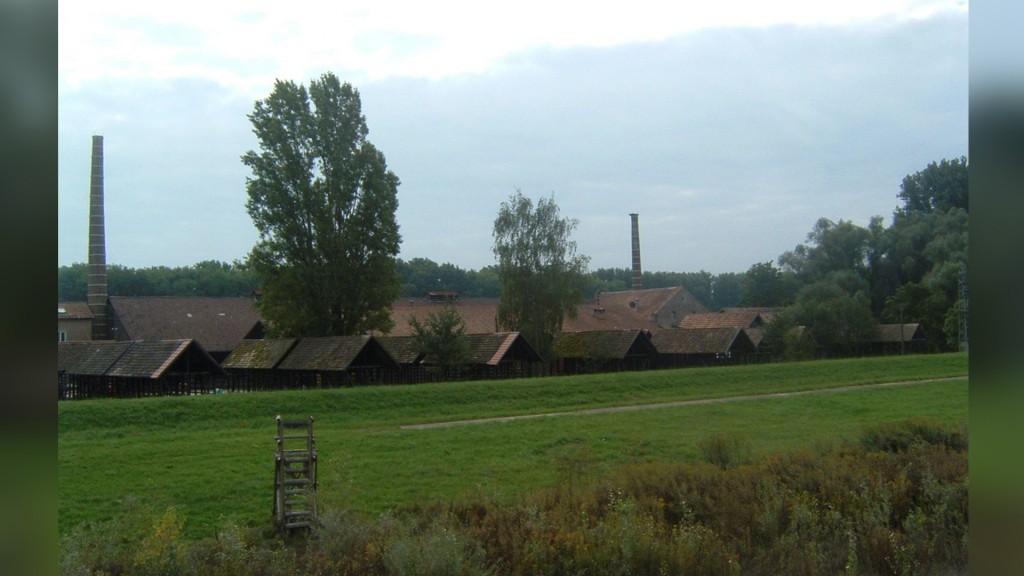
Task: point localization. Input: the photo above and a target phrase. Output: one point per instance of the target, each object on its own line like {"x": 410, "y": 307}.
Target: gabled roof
{"x": 92, "y": 358}
{"x": 219, "y": 324}
{"x": 493, "y": 349}
{"x": 336, "y": 353}
{"x": 136, "y": 359}
{"x": 263, "y": 354}
{"x": 403, "y": 349}
{"x": 701, "y": 340}
{"x": 739, "y": 318}
{"x": 603, "y": 344}
{"x": 756, "y": 335}
{"x": 73, "y": 311}
{"x": 648, "y": 309}
{"x": 899, "y": 332}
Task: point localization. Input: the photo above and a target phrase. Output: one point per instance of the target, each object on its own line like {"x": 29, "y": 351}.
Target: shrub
{"x": 725, "y": 450}
{"x": 899, "y": 436}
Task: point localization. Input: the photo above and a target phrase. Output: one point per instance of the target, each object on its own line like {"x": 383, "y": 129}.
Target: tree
{"x": 938, "y": 188}
{"x": 840, "y": 321}
{"x": 542, "y": 278}
{"x": 833, "y": 247}
{"x": 765, "y": 285}
{"x": 442, "y": 337}
{"x": 324, "y": 202}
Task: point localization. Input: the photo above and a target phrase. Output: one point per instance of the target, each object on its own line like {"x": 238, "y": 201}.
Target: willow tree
{"x": 541, "y": 276}
{"x": 324, "y": 202}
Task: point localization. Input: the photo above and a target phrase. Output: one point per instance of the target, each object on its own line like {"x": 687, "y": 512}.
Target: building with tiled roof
{"x": 679, "y": 347}
{"x": 604, "y": 351}
{"x": 74, "y": 322}
{"x": 898, "y": 338}
{"x": 219, "y": 324}
{"x": 102, "y": 369}
{"x": 728, "y": 318}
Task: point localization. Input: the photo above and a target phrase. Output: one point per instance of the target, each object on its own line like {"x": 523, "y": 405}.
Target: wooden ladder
{"x": 295, "y": 475}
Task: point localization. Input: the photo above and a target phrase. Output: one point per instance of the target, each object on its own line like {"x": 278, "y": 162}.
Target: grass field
{"x": 211, "y": 457}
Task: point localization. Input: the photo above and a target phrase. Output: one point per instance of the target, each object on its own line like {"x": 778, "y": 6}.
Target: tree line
{"x": 418, "y": 276}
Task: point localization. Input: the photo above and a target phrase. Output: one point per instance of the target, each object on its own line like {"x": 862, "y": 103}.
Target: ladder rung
{"x": 296, "y": 482}
{"x": 291, "y": 525}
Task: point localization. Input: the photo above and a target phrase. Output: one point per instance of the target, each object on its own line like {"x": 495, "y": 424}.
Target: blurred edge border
{"x": 28, "y": 183}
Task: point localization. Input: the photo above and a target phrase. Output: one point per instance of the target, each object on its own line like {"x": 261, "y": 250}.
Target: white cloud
{"x": 248, "y": 44}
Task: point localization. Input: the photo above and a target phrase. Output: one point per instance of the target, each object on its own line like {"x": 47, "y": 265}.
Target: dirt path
{"x": 637, "y": 407}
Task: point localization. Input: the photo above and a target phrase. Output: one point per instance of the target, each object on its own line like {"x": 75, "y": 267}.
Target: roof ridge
{"x": 182, "y": 345}
{"x": 502, "y": 349}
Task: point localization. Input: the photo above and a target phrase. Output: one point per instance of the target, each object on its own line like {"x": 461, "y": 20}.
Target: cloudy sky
{"x": 730, "y": 127}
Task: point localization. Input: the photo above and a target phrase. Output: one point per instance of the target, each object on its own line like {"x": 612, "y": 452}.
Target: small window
{"x": 62, "y": 336}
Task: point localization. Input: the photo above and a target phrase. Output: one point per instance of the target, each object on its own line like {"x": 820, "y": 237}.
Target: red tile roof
{"x": 219, "y": 324}
{"x": 748, "y": 318}
{"x": 73, "y": 311}
{"x": 651, "y": 309}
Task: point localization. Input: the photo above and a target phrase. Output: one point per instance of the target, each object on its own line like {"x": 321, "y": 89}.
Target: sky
{"x": 729, "y": 127}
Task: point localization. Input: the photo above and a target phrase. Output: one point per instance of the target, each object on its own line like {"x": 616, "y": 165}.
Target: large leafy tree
{"x": 324, "y": 203}
{"x": 941, "y": 186}
{"x": 832, "y": 247}
{"x": 765, "y": 285}
{"x": 542, "y": 277}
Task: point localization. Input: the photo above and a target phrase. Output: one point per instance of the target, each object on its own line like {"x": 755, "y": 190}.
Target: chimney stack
{"x": 97, "y": 299}
{"x": 637, "y": 274}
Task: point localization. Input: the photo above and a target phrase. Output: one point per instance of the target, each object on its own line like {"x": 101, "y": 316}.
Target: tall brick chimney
{"x": 637, "y": 274}
{"x": 97, "y": 298}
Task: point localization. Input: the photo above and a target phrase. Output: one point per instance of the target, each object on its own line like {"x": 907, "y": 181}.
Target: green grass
{"x": 212, "y": 456}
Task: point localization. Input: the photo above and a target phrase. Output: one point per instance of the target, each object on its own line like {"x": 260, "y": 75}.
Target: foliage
{"x": 833, "y": 247}
{"x": 442, "y": 337}
{"x": 541, "y": 275}
{"x": 765, "y": 285}
{"x": 726, "y": 450}
{"x": 208, "y": 278}
{"x": 422, "y": 275}
{"x": 909, "y": 272}
{"x": 839, "y": 322}
{"x": 324, "y": 202}
{"x": 940, "y": 187}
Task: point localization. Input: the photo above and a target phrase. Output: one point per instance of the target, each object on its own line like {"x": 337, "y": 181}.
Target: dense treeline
{"x": 207, "y": 278}
{"x": 893, "y": 502}
{"x": 419, "y": 276}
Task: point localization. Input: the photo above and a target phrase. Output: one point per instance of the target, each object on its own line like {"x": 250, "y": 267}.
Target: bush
{"x": 899, "y": 436}
{"x": 725, "y": 450}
